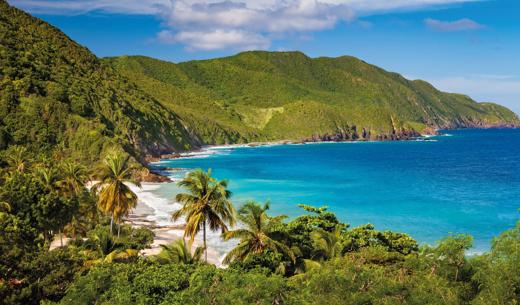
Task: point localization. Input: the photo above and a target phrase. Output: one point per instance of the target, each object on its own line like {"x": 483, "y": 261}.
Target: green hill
{"x": 57, "y": 98}
{"x": 287, "y": 95}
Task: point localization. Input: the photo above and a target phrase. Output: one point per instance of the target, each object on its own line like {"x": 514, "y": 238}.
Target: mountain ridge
{"x": 316, "y": 85}
{"x": 58, "y": 98}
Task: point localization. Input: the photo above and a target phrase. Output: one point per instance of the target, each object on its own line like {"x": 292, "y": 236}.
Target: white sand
{"x": 150, "y": 208}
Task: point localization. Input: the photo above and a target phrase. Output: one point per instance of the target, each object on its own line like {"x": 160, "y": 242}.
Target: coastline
{"x": 153, "y": 212}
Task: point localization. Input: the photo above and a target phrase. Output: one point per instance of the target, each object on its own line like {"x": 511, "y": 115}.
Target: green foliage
{"x": 498, "y": 275}
{"x": 139, "y": 283}
{"x": 366, "y": 236}
{"x": 254, "y": 96}
{"x": 115, "y": 198}
{"x": 206, "y": 204}
{"x": 57, "y": 96}
{"x": 178, "y": 252}
{"x": 258, "y": 235}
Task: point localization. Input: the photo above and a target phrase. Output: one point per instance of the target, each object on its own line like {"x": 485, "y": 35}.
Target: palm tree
{"x": 206, "y": 204}
{"x": 258, "y": 234}
{"x": 327, "y": 245}
{"x": 74, "y": 177}
{"x": 51, "y": 179}
{"x": 179, "y": 252}
{"x": 114, "y": 196}
{"x": 103, "y": 248}
{"x": 16, "y": 159}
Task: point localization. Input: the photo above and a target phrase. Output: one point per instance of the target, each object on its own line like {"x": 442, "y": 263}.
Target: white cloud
{"x": 453, "y": 26}
{"x": 217, "y": 39}
{"x": 235, "y": 24}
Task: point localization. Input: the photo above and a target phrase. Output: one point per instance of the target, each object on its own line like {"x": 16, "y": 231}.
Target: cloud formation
{"x": 234, "y": 24}
{"x": 453, "y": 26}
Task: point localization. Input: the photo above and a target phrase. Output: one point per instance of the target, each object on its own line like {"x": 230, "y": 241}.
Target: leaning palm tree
{"x": 179, "y": 252}
{"x": 258, "y": 234}
{"x": 206, "y": 204}
{"x": 115, "y": 198}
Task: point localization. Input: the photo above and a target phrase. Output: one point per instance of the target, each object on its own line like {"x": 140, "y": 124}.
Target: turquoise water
{"x": 466, "y": 181}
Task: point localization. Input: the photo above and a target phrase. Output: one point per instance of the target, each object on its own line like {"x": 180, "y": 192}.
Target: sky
{"x": 463, "y": 46}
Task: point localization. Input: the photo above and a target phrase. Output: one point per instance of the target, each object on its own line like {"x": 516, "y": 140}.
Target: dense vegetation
{"x": 62, "y": 108}
{"x": 56, "y": 97}
{"x": 287, "y": 95}
{"x": 311, "y": 259}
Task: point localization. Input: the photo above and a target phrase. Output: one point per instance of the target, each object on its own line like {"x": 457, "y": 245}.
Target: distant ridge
{"x": 287, "y": 95}
{"x": 56, "y": 97}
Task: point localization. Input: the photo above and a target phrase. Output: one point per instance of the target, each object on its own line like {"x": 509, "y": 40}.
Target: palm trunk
{"x": 118, "y": 229}
{"x": 111, "y": 224}
{"x": 204, "y": 241}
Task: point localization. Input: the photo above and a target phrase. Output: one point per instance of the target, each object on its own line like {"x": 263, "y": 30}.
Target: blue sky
{"x": 464, "y": 46}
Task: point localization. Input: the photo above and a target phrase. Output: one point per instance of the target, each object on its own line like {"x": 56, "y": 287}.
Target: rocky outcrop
{"x": 365, "y": 135}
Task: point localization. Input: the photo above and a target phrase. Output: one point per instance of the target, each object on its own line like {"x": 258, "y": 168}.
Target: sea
{"x": 459, "y": 182}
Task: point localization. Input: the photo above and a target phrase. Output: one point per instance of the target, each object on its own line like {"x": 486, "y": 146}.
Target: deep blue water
{"x": 468, "y": 182}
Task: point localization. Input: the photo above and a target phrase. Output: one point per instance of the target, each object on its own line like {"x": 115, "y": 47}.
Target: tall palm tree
{"x": 206, "y": 204}
{"x": 115, "y": 198}
{"x": 257, "y": 235}
{"x": 179, "y": 252}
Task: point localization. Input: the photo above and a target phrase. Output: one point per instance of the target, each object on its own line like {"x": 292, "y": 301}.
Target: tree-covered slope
{"x": 287, "y": 95}
{"x": 57, "y": 97}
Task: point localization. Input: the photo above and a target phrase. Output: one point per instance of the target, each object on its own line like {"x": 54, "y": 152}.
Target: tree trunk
{"x": 61, "y": 238}
{"x": 118, "y": 229}
{"x": 204, "y": 241}
{"x": 111, "y": 224}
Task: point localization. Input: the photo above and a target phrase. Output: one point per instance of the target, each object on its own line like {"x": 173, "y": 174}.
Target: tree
{"x": 4, "y": 208}
{"x": 16, "y": 159}
{"x": 207, "y": 203}
{"x": 114, "y": 196}
{"x": 327, "y": 244}
{"x": 179, "y": 252}
{"x": 257, "y": 235}
{"x": 74, "y": 177}
{"x": 104, "y": 248}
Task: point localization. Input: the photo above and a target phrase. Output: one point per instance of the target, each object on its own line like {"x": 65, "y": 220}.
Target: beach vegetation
{"x": 259, "y": 233}
{"x": 206, "y": 205}
{"x": 115, "y": 198}
{"x": 179, "y": 252}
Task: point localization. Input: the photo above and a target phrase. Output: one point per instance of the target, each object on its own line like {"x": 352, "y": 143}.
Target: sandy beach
{"x": 154, "y": 213}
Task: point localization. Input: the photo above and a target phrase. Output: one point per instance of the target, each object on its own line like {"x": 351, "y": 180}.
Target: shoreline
{"x": 202, "y": 150}
{"x": 148, "y": 214}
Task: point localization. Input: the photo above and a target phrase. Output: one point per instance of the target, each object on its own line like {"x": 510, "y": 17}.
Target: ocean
{"x": 460, "y": 182}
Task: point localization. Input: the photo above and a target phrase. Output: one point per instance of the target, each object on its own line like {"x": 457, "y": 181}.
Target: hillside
{"x": 287, "y": 95}
{"x": 57, "y": 97}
